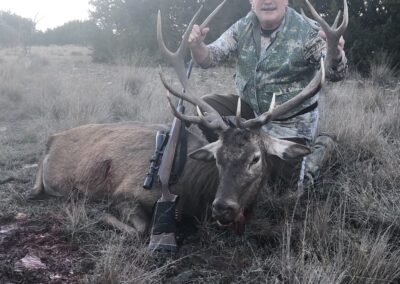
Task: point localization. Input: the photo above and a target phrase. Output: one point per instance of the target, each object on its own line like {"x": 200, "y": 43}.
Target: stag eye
{"x": 255, "y": 160}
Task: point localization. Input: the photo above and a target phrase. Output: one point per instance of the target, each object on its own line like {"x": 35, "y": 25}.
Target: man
{"x": 278, "y": 53}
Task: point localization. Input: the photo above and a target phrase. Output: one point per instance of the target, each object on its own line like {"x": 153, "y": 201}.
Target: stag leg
{"x": 135, "y": 220}
{"x": 38, "y": 191}
{"x": 133, "y": 217}
{"x": 118, "y": 225}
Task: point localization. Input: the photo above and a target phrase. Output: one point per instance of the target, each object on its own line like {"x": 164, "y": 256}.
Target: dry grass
{"x": 383, "y": 69}
{"x": 123, "y": 261}
{"x": 346, "y": 231}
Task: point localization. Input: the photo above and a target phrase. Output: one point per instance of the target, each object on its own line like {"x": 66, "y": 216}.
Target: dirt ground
{"x": 44, "y": 239}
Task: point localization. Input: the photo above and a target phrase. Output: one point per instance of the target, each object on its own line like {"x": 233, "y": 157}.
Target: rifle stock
{"x": 162, "y": 238}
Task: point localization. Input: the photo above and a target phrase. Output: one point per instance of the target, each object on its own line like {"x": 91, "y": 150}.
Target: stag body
{"x": 108, "y": 161}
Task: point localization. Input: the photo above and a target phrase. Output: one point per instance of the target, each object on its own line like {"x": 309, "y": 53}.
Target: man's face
{"x": 269, "y": 12}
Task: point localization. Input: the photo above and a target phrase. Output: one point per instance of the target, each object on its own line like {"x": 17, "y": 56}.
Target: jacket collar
{"x": 256, "y": 30}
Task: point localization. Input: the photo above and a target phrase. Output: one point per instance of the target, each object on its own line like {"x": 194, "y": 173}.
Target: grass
{"x": 345, "y": 231}
{"x": 383, "y": 69}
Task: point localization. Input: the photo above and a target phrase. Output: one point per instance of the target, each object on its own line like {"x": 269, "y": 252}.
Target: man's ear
{"x": 206, "y": 153}
{"x": 284, "y": 149}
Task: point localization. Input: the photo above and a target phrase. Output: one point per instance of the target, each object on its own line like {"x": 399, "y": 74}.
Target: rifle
{"x": 162, "y": 236}
{"x": 161, "y": 139}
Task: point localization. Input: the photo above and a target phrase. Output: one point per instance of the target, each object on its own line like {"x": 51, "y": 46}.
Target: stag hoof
{"x": 36, "y": 195}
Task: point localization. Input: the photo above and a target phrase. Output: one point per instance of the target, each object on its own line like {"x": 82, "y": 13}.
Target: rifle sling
{"x": 180, "y": 156}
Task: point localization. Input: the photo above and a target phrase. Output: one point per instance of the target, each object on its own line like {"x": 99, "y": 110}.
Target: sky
{"x": 48, "y": 13}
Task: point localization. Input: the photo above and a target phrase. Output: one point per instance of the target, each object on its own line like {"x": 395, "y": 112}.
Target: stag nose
{"x": 225, "y": 211}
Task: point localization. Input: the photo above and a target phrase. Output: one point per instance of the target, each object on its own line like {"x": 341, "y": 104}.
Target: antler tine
{"x": 177, "y": 59}
{"x": 276, "y": 111}
{"x": 176, "y": 93}
{"x": 183, "y": 48}
{"x": 333, "y": 33}
{"x": 313, "y": 23}
{"x": 310, "y": 21}
{"x": 335, "y": 23}
{"x": 239, "y": 114}
{"x": 318, "y": 18}
{"x": 183, "y": 117}
{"x": 211, "y": 16}
{"x": 345, "y": 21}
{"x": 187, "y": 96}
{"x": 215, "y": 124}
{"x": 273, "y": 103}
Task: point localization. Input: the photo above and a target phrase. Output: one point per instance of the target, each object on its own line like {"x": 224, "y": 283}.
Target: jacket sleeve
{"x": 314, "y": 48}
{"x": 222, "y": 49}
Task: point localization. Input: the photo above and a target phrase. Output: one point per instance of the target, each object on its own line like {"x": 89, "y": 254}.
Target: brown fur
{"x": 109, "y": 161}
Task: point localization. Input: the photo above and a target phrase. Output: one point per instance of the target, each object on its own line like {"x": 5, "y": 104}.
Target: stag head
{"x": 243, "y": 152}
{"x": 243, "y": 159}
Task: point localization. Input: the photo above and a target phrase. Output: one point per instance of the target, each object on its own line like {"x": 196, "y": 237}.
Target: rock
{"x": 29, "y": 262}
{"x": 5, "y": 230}
{"x": 20, "y": 216}
{"x": 55, "y": 276}
{"x": 29, "y": 166}
{"x": 8, "y": 233}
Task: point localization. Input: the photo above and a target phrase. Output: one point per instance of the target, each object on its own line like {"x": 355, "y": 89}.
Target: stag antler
{"x": 211, "y": 16}
{"x": 333, "y": 33}
{"x": 211, "y": 118}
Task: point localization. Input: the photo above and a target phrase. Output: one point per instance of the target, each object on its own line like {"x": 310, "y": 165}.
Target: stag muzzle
{"x": 229, "y": 215}
{"x": 225, "y": 211}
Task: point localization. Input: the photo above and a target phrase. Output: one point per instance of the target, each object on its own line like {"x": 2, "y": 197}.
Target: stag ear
{"x": 284, "y": 149}
{"x": 206, "y": 153}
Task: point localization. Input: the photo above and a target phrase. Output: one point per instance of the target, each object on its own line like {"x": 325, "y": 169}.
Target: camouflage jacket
{"x": 283, "y": 66}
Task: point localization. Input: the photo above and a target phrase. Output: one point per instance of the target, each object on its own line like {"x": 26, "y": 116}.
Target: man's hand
{"x": 338, "y": 55}
{"x": 197, "y": 36}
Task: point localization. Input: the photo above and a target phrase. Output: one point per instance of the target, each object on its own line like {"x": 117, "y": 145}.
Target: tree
{"x": 125, "y": 27}
{"x": 16, "y": 30}
{"x": 372, "y": 27}
{"x": 130, "y": 25}
{"x": 73, "y": 32}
